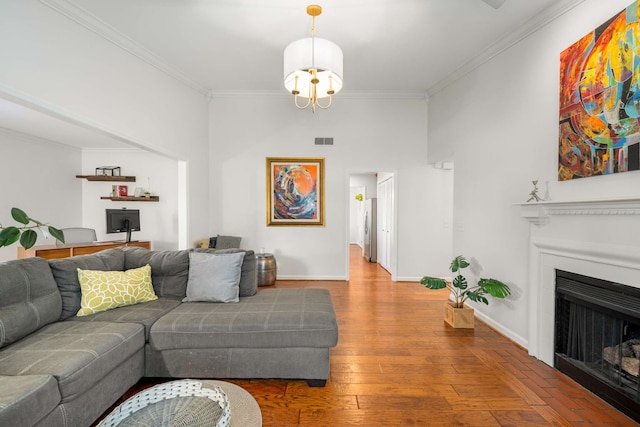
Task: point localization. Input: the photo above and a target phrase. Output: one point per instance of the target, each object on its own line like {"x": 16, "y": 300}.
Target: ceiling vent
{"x": 324, "y": 141}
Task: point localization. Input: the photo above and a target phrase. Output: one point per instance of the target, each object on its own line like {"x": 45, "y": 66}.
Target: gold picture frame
{"x": 295, "y": 191}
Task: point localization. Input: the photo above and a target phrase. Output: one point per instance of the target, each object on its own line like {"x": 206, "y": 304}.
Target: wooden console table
{"x": 65, "y": 251}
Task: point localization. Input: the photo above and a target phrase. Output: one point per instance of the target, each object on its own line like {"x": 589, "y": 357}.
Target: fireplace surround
{"x": 594, "y": 238}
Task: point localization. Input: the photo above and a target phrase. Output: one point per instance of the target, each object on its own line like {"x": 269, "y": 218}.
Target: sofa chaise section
{"x": 277, "y": 333}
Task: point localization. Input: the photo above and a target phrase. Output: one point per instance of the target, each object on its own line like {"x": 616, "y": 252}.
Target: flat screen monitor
{"x": 123, "y": 220}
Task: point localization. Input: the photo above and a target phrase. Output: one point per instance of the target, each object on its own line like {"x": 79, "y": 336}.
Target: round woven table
{"x": 245, "y": 411}
{"x": 180, "y": 403}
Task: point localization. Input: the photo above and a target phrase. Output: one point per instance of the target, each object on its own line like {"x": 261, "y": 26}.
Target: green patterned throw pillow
{"x": 105, "y": 290}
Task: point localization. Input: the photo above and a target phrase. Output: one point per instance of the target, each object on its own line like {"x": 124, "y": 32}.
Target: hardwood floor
{"x": 398, "y": 364}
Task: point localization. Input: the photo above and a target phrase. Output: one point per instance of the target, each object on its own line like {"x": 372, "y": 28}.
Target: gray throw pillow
{"x": 214, "y": 277}
{"x": 248, "y": 273}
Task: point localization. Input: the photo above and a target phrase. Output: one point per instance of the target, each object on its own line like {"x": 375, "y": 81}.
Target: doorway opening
{"x": 372, "y": 218}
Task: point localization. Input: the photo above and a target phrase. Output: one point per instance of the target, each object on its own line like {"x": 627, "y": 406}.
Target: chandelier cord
{"x": 313, "y": 42}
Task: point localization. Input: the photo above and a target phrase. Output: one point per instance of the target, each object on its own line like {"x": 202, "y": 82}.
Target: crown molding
{"x": 104, "y": 30}
{"x": 115, "y": 150}
{"x": 222, "y": 94}
{"x": 523, "y": 31}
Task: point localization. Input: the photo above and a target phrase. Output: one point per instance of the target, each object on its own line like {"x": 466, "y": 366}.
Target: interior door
{"x": 385, "y": 222}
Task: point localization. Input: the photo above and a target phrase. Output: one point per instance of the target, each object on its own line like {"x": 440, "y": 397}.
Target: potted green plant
{"x": 456, "y": 314}
{"x": 25, "y": 232}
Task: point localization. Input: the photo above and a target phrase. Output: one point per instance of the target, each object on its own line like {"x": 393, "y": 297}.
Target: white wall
{"x": 369, "y": 134}
{"x": 367, "y": 180}
{"x": 37, "y": 176}
{"x": 62, "y": 67}
{"x": 509, "y": 108}
{"x": 432, "y": 214}
{"x": 158, "y": 220}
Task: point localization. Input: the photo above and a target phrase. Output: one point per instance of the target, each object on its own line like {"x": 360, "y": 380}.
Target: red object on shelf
{"x": 122, "y": 190}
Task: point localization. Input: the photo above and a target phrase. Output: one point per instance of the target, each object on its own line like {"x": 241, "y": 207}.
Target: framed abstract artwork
{"x": 295, "y": 191}
{"x": 599, "y": 132}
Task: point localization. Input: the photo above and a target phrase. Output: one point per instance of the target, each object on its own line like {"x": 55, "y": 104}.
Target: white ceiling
{"x": 17, "y": 118}
{"x": 390, "y": 45}
{"x": 237, "y": 45}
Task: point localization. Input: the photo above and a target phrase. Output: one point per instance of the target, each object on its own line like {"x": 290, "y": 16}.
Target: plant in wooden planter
{"x": 25, "y": 232}
{"x": 456, "y": 314}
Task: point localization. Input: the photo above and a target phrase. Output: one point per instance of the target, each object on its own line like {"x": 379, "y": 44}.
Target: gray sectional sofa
{"x": 57, "y": 369}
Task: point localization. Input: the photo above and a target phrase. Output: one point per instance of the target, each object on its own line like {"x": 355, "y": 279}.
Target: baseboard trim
{"x": 340, "y": 278}
{"x": 521, "y": 341}
{"x": 408, "y": 279}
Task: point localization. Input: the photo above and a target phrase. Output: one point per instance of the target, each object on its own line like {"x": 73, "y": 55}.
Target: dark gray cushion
{"x": 65, "y": 271}
{"x": 273, "y": 318}
{"x": 169, "y": 269}
{"x": 145, "y": 313}
{"x": 77, "y": 354}
{"x": 248, "y": 273}
{"x": 29, "y": 298}
{"x": 227, "y": 242}
{"x": 26, "y": 399}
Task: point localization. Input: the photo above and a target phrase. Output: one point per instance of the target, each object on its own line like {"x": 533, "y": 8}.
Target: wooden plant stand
{"x": 458, "y": 317}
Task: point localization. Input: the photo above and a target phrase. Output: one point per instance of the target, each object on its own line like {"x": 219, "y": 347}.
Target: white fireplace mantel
{"x": 596, "y": 238}
{"x": 538, "y": 213}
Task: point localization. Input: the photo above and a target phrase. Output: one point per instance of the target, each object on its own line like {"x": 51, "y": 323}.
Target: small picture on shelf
{"x": 139, "y": 192}
{"x": 123, "y": 191}
{"x": 108, "y": 171}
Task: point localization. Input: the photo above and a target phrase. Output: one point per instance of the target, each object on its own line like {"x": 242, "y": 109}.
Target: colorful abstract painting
{"x": 295, "y": 191}
{"x": 600, "y": 100}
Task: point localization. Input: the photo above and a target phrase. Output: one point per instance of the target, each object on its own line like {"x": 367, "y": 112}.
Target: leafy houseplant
{"x": 460, "y": 288}
{"x": 25, "y": 232}
{"x": 455, "y": 313}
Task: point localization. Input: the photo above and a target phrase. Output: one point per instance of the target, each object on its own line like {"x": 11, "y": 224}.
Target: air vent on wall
{"x": 324, "y": 141}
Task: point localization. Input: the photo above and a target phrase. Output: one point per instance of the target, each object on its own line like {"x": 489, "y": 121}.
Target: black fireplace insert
{"x": 597, "y": 338}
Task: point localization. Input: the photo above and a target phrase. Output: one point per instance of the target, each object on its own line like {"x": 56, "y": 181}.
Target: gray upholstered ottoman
{"x": 277, "y": 333}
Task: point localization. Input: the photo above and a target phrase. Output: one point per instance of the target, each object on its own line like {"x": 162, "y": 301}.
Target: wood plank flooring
{"x": 398, "y": 364}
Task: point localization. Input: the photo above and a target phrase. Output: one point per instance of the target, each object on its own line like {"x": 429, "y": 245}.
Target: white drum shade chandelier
{"x": 313, "y": 68}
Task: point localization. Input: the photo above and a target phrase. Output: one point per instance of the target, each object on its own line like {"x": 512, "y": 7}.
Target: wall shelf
{"x": 107, "y": 178}
{"x": 132, "y": 199}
